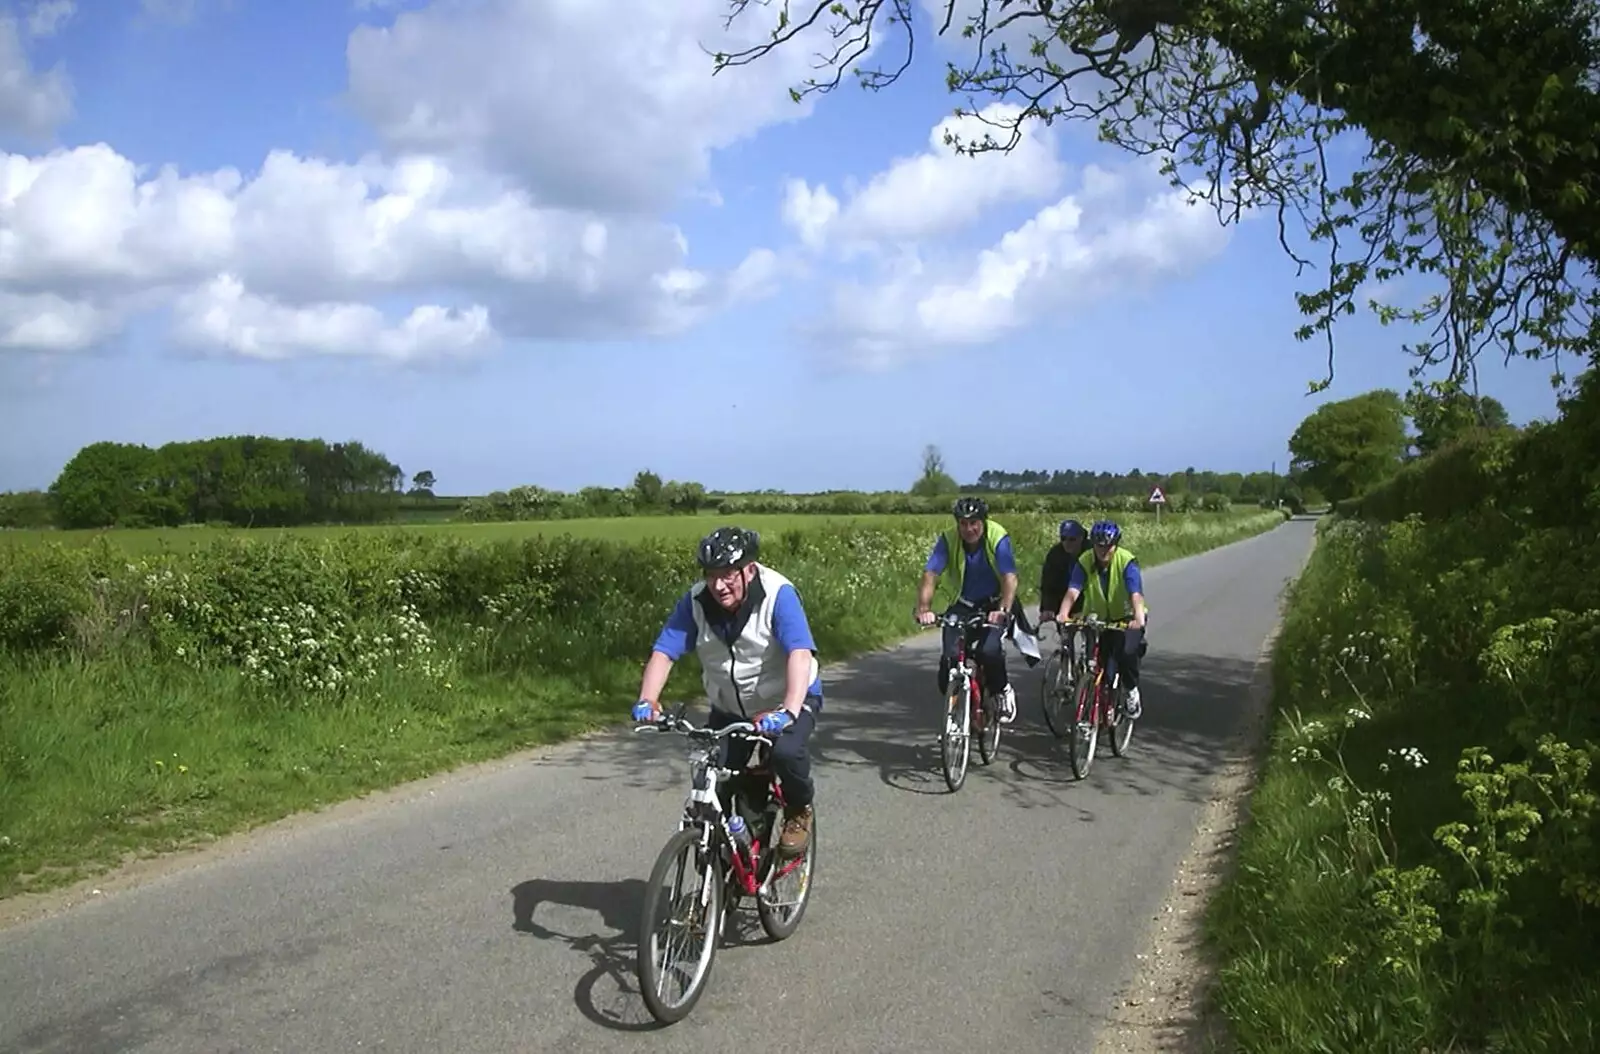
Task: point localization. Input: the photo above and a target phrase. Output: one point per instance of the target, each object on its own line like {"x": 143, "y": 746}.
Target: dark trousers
{"x": 986, "y": 642}
{"x": 788, "y": 758}
{"x": 1129, "y": 647}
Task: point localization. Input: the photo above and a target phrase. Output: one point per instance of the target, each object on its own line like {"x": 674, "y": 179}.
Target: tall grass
{"x": 147, "y": 700}
{"x": 1421, "y": 871}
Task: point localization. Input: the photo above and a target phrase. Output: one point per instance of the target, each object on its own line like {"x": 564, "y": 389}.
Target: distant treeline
{"x": 1235, "y": 486}
{"x": 263, "y": 481}
{"x": 243, "y": 481}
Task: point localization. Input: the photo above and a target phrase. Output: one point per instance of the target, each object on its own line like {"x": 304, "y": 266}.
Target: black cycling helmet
{"x": 970, "y": 509}
{"x": 1072, "y": 529}
{"x": 1105, "y": 532}
{"x": 728, "y": 547}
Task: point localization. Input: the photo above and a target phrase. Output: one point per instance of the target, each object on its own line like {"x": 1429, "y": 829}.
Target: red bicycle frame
{"x": 746, "y": 863}
{"x": 974, "y": 687}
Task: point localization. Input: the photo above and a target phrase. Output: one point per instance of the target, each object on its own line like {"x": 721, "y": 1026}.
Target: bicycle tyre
{"x": 989, "y": 734}
{"x": 778, "y": 929}
{"x": 1085, "y": 732}
{"x": 1054, "y": 691}
{"x": 1121, "y": 724}
{"x": 645, "y": 970}
{"x": 957, "y": 712}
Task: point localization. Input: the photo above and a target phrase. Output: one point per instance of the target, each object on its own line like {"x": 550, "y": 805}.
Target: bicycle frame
{"x": 965, "y": 667}
{"x": 702, "y": 806}
{"x": 1094, "y": 632}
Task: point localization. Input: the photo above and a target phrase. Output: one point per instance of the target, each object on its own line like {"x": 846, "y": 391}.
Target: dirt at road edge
{"x": 1167, "y": 1008}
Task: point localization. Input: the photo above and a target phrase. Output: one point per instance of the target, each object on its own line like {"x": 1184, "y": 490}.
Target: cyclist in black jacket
{"x": 1058, "y": 564}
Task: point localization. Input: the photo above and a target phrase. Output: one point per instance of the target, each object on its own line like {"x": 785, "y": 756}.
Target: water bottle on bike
{"x": 740, "y": 831}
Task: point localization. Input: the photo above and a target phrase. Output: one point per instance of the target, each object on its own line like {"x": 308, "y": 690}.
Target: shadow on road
{"x": 608, "y": 994}
{"x": 891, "y": 714}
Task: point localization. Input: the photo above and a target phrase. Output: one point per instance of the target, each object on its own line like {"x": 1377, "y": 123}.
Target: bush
{"x": 1422, "y": 866}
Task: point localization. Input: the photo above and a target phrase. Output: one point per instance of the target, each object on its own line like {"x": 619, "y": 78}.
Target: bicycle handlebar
{"x": 1100, "y": 623}
{"x": 683, "y": 726}
{"x": 977, "y": 618}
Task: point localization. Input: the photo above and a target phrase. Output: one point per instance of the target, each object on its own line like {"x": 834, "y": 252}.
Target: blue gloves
{"x": 643, "y": 711}
{"x": 774, "y": 722}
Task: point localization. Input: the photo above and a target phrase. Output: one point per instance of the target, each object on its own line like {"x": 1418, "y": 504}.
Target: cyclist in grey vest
{"x": 746, "y": 623}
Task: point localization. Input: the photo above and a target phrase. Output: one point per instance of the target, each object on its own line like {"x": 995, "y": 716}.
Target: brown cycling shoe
{"x": 796, "y": 831}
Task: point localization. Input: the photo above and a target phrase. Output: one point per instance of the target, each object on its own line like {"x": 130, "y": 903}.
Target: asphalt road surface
{"x": 496, "y": 912}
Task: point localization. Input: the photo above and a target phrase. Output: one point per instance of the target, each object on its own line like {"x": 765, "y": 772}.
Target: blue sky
{"x": 531, "y": 241}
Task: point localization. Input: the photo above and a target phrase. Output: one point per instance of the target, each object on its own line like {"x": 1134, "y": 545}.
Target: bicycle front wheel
{"x": 1085, "y": 729}
{"x": 1120, "y": 725}
{"x": 955, "y": 745}
{"x": 692, "y": 928}
{"x": 1055, "y": 692}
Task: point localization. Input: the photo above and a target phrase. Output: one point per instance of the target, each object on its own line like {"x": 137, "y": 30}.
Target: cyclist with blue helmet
{"x": 985, "y": 571}
{"x": 1108, "y": 579}
{"x": 746, "y": 623}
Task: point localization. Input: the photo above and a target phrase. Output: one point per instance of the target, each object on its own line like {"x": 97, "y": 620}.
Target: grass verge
{"x": 1419, "y": 871}
{"x": 150, "y": 702}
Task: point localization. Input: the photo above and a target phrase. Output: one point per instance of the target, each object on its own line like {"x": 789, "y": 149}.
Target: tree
{"x": 1478, "y": 120}
{"x": 934, "y": 481}
{"x": 647, "y": 489}
{"x": 422, "y": 484}
{"x": 1345, "y": 447}
{"x": 1444, "y": 413}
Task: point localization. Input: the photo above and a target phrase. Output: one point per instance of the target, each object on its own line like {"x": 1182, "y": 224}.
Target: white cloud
{"x": 611, "y": 106}
{"x": 31, "y": 103}
{"x": 48, "y": 16}
{"x": 936, "y": 192}
{"x": 223, "y": 315}
{"x": 48, "y": 322}
{"x": 1101, "y": 242}
{"x": 283, "y": 260}
{"x": 531, "y": 149}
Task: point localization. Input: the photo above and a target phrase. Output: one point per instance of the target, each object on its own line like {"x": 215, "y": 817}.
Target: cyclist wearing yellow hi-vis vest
{"x": 985, "y": 572}
{"x": 1108, "y": 579}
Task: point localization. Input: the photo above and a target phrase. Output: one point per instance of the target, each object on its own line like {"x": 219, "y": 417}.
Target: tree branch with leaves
{"x": 1480, "y": 120}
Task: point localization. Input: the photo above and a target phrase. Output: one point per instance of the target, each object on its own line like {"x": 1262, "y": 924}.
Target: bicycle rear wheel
{"x": 988, "y": 728}
{"x": 695, "y": 918}
{"x": 955, "y": 745}
{"x": 780, "y": 912}
{"x": 1085, "y": 730}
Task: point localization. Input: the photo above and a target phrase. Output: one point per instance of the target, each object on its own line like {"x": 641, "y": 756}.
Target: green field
{"x": 152, "y": 694}
{"x": 619, "y": 528}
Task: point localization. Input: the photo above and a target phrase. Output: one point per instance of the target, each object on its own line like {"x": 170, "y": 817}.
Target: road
{"x": 495, "y": 912}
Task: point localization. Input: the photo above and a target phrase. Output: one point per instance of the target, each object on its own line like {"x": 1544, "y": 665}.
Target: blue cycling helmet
{"x": 1072, "y": 529}
{"x": 1105, "y": 532}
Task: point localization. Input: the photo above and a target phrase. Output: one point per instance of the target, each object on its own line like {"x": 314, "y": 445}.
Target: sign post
{"x": 1157, "y": 499}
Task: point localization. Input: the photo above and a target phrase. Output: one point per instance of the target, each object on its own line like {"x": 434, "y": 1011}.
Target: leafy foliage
{"x": 1477, "y": 123}
{"x": 1424, "y": 841}
{"x": 240, "y": 480}
{"x": 1345, "y": 447}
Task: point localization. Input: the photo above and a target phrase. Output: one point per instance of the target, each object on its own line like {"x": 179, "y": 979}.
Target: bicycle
{"x": 1100, "y": 701}
{"x": 1060, "y": 674}
{"x": 732, "y": 867}
{"x": 979, "y": 711}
